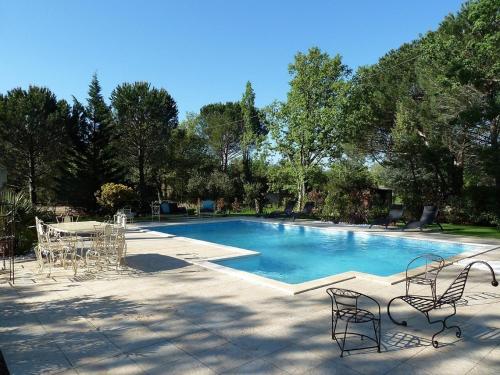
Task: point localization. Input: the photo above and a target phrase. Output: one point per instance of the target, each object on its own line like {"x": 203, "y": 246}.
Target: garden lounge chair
{"x": 395, "y": 214}
{"x": 306, "y": 211}
{"x": 172, "y": 208}
{"x": 449, "y": 298}
{"x": 206, "y": 207}
{"x": 429, "y": 216}
{"x": 287, "y": 212}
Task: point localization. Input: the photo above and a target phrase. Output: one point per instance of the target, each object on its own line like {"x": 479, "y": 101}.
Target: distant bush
{"x": 348, "y": 192}
{"x": 114, "y": 196}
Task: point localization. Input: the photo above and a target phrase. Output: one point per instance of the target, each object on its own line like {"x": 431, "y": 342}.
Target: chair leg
{"x": 444, "y": 326}
{"x": 458, "y": 333}
{"x": 344, "y": 340}
{"x": 433, "y": 290}
{"x": 377, "y": 330}
{"x": 435, "y": 343}
{"x": 403, "y": 322}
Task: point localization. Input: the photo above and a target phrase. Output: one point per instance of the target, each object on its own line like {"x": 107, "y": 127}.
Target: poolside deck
{"x": 166, "y": 315}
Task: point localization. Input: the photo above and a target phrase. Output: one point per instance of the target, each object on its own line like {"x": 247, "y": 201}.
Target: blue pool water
{"x": 295, "y": 254}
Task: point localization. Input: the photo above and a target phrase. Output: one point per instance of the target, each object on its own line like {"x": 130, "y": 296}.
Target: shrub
{"x": 255, "y": 195}
{"x": 348, "y": 195}
{"x": 24, "y": 218}
{"x": 113, "y": 196}
{"x": 220, "y": 205}
{"x": 236, "y": 206}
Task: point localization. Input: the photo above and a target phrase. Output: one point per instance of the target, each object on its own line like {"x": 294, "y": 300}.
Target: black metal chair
{"x": 450, "y": 297}
{"x": 433, "y": 265}
{"x": 429, "y": 216}
{"x": 395, "y": 214}
{"x": 7, "y": 237}
{"x": 349, "y": 306}
{"x": 305, "y": 212}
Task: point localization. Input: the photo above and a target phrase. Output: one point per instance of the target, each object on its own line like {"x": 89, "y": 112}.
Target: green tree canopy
{"x": 221, "y": 124}
{"x": 33, "y": 137}
{"x": 91, "y": 160}
{"x": 307, "y": 129}
{"x": 144, "y": 117}
{"x": 253, "y": 128}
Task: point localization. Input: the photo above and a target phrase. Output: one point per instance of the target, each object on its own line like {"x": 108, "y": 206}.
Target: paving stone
{"x": 224, "y": 357}
{"x": 34, "y": 357}
{"x": 158, "y": 356}
{"x": 198, "y": 341}
{"x": 116, "y": 365}
{"x": 256, "y": 367}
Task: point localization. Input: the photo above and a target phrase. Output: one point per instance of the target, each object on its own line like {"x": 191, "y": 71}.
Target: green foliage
{"x": 348, "y": 189}
{"x": 144, "y": 117}
{"x": 112, "y": 197}
{"x": 221, "y": 125}
{"x": 429, "y": 111}
{"x": 253, "y": 128}
{"x": 90, "y": 161}
{"x": 307, "y": 129}
{"x": 32, "y": 138}
{"x": 215, "y": 185}
{"x": 24, "y": 217}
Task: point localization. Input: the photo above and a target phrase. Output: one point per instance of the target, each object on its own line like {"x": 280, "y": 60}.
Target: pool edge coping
{"x": 306, "y": 286}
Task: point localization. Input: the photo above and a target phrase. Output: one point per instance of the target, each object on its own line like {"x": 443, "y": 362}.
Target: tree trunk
{"x": 32, "y": 178}
{"x": 301, "y": 189}
{"x": 246, "y": 165}
{"x": 142, "y": 179}
{"x": 258, "y": 208}
{"x": 495, "y": 152}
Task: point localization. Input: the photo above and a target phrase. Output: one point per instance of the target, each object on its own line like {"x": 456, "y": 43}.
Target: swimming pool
{"x": 295, "y": 254}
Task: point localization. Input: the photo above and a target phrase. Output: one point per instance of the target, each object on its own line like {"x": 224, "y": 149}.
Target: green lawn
{"x": 470, "y": 230}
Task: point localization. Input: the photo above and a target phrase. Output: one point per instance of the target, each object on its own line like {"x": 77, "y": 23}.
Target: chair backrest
{"x": 433, "y": 264}
{"x": 343, "y": 298}
{"x": 155, "y": 209}
{"x": 207, "y": 205}
{"x": 290, "y": 205}
{"x": 308, "y": 207}
{"x": 456, "y": 289}
{"x": 396, "y": 212}
{"x": 429, "y": 214}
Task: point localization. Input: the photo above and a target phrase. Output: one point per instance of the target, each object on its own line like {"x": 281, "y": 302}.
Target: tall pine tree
{"x": 253, "y": 128}
{"x": 91, "y": 161}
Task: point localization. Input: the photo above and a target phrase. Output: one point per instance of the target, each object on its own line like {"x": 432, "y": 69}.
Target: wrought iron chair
{"x": 450, "y": 297}
{"x": 67, "y": 219}
{"x": 97, "y": 255}
{"x": 7, "y": 237}
{"x": 155, "y": 210}
{"x": 433, "y": 265}
{"x": 350, "y": 307}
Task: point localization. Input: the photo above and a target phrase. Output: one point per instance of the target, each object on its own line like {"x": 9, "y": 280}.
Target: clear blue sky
{"x": 200, "y": 51}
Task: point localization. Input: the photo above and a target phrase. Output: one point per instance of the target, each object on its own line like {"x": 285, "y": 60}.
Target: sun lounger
{"x": 395, "y": 214}
{"x": 429, "y": 216}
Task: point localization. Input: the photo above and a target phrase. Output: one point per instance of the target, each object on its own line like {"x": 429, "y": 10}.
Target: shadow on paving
{"x": 155, "y": 262}
{"x": 199, "y": 319}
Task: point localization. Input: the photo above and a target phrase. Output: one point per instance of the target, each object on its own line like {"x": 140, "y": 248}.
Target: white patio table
{"x": 77, "y": 228}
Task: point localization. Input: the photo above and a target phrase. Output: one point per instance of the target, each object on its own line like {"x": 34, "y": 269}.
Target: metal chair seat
{"x": 420, "y": 303}
{"x": 449, "y": 298}
{"x": 355, "y": 315}
{"x": 350, "y": 307}
{"x": 421, "y": 280}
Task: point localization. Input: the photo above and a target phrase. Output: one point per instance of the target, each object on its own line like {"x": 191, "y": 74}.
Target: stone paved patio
{"x": 165, "y": 315}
